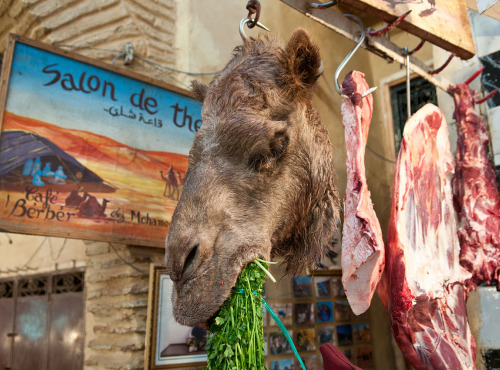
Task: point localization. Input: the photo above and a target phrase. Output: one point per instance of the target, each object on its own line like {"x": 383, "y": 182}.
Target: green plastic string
{"x": 283, "y": 329}
{"x": 281, "y": 326}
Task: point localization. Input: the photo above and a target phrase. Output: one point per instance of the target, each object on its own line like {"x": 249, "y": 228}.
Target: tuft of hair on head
{"x": 199, "y": 90}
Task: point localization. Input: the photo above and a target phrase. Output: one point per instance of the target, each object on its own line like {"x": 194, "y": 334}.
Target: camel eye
{"x": 268, "y": 153}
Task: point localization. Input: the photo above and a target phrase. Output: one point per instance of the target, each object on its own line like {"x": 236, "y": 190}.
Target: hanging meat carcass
{"x": 475, "y": 191}
{"x": 425, "y": 280}
{"x": 363, "y": 254}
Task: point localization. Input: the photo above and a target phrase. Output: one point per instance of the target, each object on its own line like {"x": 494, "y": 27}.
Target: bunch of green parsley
{"x": 237, "y": 340}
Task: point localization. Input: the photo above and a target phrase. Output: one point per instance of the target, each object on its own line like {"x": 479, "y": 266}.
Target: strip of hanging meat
{"x": 475, "y": 191}
{"x": 425, "y": 280}
{"x": 363, "y": 255}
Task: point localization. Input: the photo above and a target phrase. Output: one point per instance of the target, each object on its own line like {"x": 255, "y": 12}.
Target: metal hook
{"x": 389, "y": 27}
{"x": 417, "y": 48}
{"x": 474, "y": 75}
{"x": 325, "y": 5}
{"x": 349, "y": 56}
{"x": 247, "y": 20}
{"x": 489, "y": 96}
{"x": 438, "y": 70}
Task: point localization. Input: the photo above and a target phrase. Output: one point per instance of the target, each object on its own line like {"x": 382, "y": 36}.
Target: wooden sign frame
{"x": 82, "y": 144}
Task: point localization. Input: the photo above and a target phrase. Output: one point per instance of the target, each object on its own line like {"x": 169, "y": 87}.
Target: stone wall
{"x": 116, "y": 289}
{"x": 97, "y": 28}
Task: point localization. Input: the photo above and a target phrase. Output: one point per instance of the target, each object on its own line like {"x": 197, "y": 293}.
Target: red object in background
{"x": 476, "y": 197}
{"x": 363, "y": 255}
{"x": 424, "y": 278}
{"x": 334, "y": 359}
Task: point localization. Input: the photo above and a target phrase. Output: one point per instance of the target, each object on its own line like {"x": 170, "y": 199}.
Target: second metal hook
{"x": 349, "y": 56}
{"x": 246, "y": 20}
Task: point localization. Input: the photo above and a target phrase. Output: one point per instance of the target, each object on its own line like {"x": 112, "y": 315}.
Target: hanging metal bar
{"x": 378, "y": 45}
{"x": 408, "y": 95}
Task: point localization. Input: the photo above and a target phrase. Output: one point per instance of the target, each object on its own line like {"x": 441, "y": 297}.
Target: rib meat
{"x": 425, "y": 280}
{"x": 476, "y": 197}
{"x": 363, "y": 255}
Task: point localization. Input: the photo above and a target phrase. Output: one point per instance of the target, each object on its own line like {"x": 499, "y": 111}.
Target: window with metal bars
{"x": 421, "y": 93}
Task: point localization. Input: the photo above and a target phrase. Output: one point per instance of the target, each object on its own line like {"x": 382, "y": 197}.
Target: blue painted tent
{"x": 18, "y": 146}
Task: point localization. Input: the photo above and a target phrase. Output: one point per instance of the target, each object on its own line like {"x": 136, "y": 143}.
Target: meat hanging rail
{"x": 378, "y": 45}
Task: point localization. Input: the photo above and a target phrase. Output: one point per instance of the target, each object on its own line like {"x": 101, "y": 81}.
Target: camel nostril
{"x": 190, "y": 259}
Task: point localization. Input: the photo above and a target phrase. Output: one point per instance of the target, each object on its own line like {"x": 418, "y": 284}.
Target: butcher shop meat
{"x": 362, "y": 243}
{"x": 425, "y": 280}
{"x": 475, "y": 191}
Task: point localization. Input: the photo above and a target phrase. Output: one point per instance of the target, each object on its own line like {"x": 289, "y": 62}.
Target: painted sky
{"x": 42, "y": 95}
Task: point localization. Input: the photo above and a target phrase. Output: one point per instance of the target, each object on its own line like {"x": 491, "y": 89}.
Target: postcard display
{"x": 315, "y": 311}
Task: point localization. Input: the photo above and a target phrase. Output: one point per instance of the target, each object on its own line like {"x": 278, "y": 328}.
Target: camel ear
{"x": 303, "y": 59}
{"x": 199, "y": 90}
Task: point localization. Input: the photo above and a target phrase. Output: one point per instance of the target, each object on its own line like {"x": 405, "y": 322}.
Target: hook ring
{"x": 248, "y": 20}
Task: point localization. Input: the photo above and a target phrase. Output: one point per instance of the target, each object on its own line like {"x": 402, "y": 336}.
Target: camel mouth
{"x": 208, "y": 323}
{"x": 196, "y": 304}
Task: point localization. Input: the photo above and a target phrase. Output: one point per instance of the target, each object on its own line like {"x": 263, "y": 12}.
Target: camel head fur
{"x": 260, "y": 179}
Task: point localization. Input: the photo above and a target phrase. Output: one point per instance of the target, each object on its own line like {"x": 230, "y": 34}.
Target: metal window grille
{"x": 421, "y": 93}
{"x": 66, "y": 283}
{"x": 6, "y": 289}
{"x": 32, "y": 286}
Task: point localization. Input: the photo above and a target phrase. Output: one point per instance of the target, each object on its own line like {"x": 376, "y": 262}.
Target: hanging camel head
{"x": 260, "y": 180}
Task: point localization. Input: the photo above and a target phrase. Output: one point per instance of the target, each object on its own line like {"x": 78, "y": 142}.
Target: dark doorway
{"x": 42, "y": 322}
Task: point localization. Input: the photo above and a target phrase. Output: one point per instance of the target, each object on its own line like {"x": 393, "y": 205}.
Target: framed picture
{"x": 362, "y": 332}
{"x": 342, "y": 311}
{"x": 323, "y": 286}
{"x": 309, "y": 362}
{"x": 304, "y": 313}
{"x": 286, "y": 363}
{"x": 324, "y": 311}
{"x": 364, "y": 356}
{"x": 305, "y": 340}
{"x": 325, "y": 335}
{"x": 302, "y": 286}
{"x": 278, "y": 343}
{"x": 344, "y": 334}
{"x": 169, "y": 344}
{"x": 283, "y": 311}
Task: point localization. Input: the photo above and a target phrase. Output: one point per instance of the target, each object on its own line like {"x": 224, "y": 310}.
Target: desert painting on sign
{"x": 89, "y": 151}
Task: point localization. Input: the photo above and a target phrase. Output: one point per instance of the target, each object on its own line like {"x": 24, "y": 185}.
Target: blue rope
{"x": 281, "y": 326}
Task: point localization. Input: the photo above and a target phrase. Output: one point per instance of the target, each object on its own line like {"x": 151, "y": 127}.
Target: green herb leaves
{"x": 237, "y": 340}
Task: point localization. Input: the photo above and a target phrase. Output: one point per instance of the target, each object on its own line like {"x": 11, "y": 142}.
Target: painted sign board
{"x": 89, "y": 150}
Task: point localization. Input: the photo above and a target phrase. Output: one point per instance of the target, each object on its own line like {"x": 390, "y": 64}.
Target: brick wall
{"x": 116, "y": 288}
{"x": 97, "y": 28}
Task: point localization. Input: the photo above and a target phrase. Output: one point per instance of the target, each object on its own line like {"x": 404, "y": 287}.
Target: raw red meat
{"x": 476, "y": 197}
{"x": 363, "y": 254}
{"x": 425, "y": 280}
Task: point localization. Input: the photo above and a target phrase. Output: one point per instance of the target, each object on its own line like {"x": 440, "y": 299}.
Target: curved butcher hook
{"x": 349, "y": 56}
{"x": 246, "y": 20}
